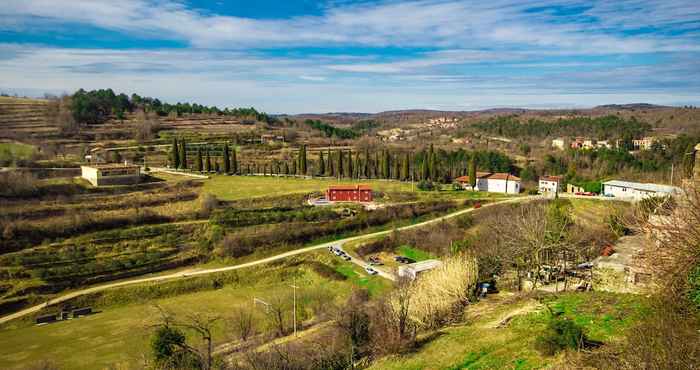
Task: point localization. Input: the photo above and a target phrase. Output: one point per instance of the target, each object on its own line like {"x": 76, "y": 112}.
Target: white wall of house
{"x": 503, "y": 186}
{"x": 548, "y": 186}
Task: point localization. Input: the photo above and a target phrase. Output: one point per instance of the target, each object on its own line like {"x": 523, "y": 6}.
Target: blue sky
{"x": 298, "y": 56}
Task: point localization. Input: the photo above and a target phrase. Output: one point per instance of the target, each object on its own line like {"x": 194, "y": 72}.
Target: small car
{"x": 371, "y": 271}
{"x": 346, "y": 257}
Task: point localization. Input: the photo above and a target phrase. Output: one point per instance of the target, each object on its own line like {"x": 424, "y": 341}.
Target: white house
{"x": 111, "y": 174}
{"x": 550, "y": 184}
{"x": 637, "y": 190}
{"x": 558, "y": 143}
{"x": 492, "y": 182}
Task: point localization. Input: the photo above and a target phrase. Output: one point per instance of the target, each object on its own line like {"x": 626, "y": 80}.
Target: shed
{"x": 411, "y": 271}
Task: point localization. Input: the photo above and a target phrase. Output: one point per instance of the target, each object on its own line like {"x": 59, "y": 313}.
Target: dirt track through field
{"x": 181, "y": 275}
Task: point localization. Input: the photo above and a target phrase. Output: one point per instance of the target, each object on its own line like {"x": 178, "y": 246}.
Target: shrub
{"x": 207, "y": 203}
{"x": 426, "y": 185}
{"x": 560, "y": 334}
{"x": 17, "y": 184}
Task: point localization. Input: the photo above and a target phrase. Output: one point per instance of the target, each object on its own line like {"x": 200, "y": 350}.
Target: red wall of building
{"x": 349, "y": 195}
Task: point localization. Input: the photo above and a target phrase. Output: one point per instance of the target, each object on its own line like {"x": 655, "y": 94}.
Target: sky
{"x": 302, "y": 56}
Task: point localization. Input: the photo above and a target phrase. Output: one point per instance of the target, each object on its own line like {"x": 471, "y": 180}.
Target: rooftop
{"x": 644, "y": 186}
{"x": 424, "y": 265}
{"x": 107, "y": 166}
{"x": 503, "y": 176}
{"x": 349, "y": 187}
{"x": 551, "y": 178}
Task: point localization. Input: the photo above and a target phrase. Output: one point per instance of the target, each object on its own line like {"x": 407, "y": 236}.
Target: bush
{"x": 17, "y": 184}
{"x": 560, "y": 335}
{"x": 426, "y": 185}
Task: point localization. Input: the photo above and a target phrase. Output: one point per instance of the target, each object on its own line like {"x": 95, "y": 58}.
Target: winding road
{"x": 180, "y": 275}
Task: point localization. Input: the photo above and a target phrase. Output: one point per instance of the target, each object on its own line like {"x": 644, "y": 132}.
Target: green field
{"x": 241, "y": 187}
{"x": 120, "y": 333}
{"x": 414, "y": 253}
{"x": 16, "y": 151}
{"x": 481, "y": 345}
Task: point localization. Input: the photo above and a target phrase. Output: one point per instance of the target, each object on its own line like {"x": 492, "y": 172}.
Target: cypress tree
{"x": 397, "y": 167}
{"x": 321, "y": 165}
{"x": 248, "y": 167}
{"x": 302, "y": 160}
{"x": 350, "y": 169}
{"x": 358, "y": 165}
{"x": 472, "y": 172}
{"x": 286, "y": 168}
{"x": 404, "y": 168}
{"x": 199, "y": 166}
{"x": 234, "y": 161}
{"x": 175, "y": 153}
{"x": 294, "y": 167}
{"x": 376, "y": 165}
{"x": 227, "y": 160}
{"x": 425, "y": 168}
{"x": 386, "y": 165}
{"x": 207, "y": 164}
{"x": 183, "y": 154}
{"x": 217, "y": 169}
{"x": 340, "y": 163}
{"x": 365, "y": 169}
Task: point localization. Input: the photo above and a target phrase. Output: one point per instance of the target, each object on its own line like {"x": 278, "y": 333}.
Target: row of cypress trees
{"x": 340, "y": 163}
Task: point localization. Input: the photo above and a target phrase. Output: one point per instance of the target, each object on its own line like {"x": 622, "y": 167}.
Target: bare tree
{"x": 242, "y": 323}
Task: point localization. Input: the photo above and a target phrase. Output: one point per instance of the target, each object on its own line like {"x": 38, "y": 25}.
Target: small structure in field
{"x": 349, "y": 193}
{"x": 550, "y": 184}
{"x": 637, "y": 190}
{"x": 411, "y": 271}
{"x": 111, "y": 174}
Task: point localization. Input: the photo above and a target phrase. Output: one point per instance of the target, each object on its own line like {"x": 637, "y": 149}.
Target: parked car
{"x": 375, "y": 261}
{"x": 346, "y": 257}
{"x": 402, "y": 259}
{"x": 371, "y": 271}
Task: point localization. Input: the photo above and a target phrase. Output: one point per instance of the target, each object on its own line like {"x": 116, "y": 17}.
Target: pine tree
{"x": 199, "y": 165}
{"x": 207, "y": 164}
{"x": 321, "y": 165}
{"x": 227, "y": 160}
{"x": 175, "y": 153}
{"x": 183, "y": 154}
{"x": 234, "y": 161}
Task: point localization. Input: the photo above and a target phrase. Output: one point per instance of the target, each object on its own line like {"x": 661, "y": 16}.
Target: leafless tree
{"x": 242, "y": 323}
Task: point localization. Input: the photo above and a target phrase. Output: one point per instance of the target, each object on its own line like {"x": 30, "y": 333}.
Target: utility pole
{"x": 672, "y": 173}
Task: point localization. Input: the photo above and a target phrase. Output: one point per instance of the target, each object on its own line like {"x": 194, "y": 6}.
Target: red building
{"x": 349, "y": 193}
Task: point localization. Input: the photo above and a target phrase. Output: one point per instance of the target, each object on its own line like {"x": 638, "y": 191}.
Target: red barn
{"x": 349, "y": 193}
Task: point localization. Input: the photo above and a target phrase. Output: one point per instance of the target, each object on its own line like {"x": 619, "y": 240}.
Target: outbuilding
{"x": 550, "y": 184}
{"x": 349, "y": 193}
{"x": 637, "y": 190}
{"x": 411, "y": 271}
{"x": 492, "y": 182}
{"x": 111, "y": 174}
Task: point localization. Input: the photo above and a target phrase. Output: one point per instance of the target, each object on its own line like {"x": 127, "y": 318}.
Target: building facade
{"x": 111, "y": 174}
{"x": 559, "y": 144}
{"x": 492, "y": 182}
{"x": 550, "y": 184}
{"x": 637, "y": 190}
{"x": 349, "y": 193}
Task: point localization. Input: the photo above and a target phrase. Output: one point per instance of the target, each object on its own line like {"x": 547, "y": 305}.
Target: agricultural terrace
{"x": 128, "y": 313}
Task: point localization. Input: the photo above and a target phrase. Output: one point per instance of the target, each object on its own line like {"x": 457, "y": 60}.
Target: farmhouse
{"x": 550, "y": 184}
{"x": 111, "y": 174}
{"x": 636, "y": 190}
{"x": 412, "y": 270}
{"x": 492, "y": 182}
{"x": 349, "y": 193}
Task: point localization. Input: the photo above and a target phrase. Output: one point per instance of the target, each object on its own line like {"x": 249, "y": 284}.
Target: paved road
{"x": 277, "y": 257}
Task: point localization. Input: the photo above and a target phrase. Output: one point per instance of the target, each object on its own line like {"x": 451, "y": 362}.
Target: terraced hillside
{"x": 22, "y": 118}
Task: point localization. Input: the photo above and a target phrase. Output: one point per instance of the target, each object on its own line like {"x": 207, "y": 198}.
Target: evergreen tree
{"x": 340, "y": 163}
{"x": 425, "y": 167}
{"x": 175, "y": 154}
{"x": 234, "y": 161}
{"x": 183, "y": 154}
{"x": 227, "y": 160}
{"x": 375, "y": 166}
{"x": 199, "y": 165}
{"x": 397, "y": 173}
{"x": 286, "y": 168}
{"x": 248, "y": 167}
{"x": 217, "y": 169}
{"x": 386, "y": 165}
{"x": 329, "y": 163}
{"x": 405, "y": 168}
{"x": 294, "y": 167}
{"x": 302, "y": 160}
{"x": 472, "y": 172}
{"x": 350, "y": 169}
{"x": 321, "y": 165}
{"x": 365, "y": 169}
{"x": 358, "y": 165}
{"x": 207, "y": 164}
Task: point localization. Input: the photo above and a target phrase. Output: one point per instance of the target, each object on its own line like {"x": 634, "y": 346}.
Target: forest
{"x": 607, "y": 127}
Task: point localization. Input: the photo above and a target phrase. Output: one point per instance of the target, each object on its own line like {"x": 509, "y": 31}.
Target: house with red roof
{"x": 349, "y": 193}
{"x": 498, "y": 182}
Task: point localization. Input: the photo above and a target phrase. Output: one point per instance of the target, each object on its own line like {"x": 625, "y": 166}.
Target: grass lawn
{"x": 240, "y": 187}
{"x": 480, "y": 345}
{"x": 10, "y": 151}
{"x": 121, "y": 333}
{"x": 414, "y": 254}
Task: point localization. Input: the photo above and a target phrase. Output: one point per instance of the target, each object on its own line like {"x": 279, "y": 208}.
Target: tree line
{"x": 607, "y": 127}
{"x": 426, "y": 165}
{"x": 97, "y": 106}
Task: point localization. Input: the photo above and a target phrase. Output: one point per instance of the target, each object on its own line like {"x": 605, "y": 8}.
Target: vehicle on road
{"x": 402, "y": 259}
{"x": 346, "y": 257}
{"x": 371, "y": 271}
{"x": 375, "y": 261}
